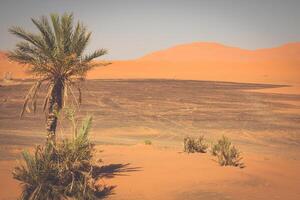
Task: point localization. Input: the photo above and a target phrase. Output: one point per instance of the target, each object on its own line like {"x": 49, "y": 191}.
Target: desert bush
{"x": 148, "y": 142}
{"x": 60, "y": 171}
{"x": 226, "y": 153}
{"x": 192, "y": 145}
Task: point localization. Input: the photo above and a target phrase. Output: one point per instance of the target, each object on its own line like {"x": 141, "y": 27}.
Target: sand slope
{"x": 211, "y": 61}
{"x": 201, "y": 61}
{"x": 17, "y": 70}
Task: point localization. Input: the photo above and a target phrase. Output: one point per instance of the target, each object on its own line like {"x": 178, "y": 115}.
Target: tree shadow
{"x": 110, "y": 171}
{"x": 105, "y": 191}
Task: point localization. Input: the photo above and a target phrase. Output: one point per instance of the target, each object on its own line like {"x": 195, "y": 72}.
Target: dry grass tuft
{"x": 148, "y": 142}
{"x": 227, "y": 153}
{"x": 193, "y": 145}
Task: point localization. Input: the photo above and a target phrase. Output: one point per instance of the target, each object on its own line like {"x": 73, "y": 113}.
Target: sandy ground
{"x": 130, "y": 111}
{"x": 152, "y": 172}
{"x": 263, "y": 123}
{"x": 9, "y": 188}
{"x": 292, "y": 89}
{"x": 171, "y": 174}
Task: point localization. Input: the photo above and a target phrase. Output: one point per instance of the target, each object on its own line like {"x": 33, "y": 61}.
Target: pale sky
{"x": 132, "y": 28}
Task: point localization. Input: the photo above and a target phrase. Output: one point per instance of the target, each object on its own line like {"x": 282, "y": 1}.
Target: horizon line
{"x": 197, "y": 42}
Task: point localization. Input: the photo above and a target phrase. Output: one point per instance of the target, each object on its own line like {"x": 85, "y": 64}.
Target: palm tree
{"x": 55, "y": 57}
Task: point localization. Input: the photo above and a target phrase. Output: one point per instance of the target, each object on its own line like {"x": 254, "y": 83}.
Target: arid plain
{"x": 251, "y": 97}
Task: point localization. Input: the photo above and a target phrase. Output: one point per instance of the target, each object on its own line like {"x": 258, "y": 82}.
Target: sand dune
{"x": 211, "y": 61}
{"x": 17, "y": 70}
{"x": 201, "y": 61}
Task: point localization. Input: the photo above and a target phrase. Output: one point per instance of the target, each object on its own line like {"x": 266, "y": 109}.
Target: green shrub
{"x": 226, "y": 153}
{"x": 60, "y": 171}
{"x": 192, "y": 145}
{"x": 148, "y": 142}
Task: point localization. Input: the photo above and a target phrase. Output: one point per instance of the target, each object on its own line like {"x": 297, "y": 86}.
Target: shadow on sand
{"x": 110, "y": 171}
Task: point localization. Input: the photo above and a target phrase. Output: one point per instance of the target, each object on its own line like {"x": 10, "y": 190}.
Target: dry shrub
{"x": 226, "y": 153}
{"x": 193, "y": 145}
{"x": 148, "y": 142}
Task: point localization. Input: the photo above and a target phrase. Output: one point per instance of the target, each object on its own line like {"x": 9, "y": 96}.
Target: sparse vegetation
{"x": 226, "y": 153}
{"x": 192, "y": 145}
{"x": 148, "y": 142}
{"x": 63, "y": 171}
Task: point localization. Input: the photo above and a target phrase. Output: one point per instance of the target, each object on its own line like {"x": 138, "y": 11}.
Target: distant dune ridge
{"x": 201, "y": 61}
{"x": 17, "y": 70}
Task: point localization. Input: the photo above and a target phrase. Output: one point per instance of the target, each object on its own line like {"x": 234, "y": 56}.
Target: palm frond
{"x": 55, "y": 19}
{"x": 67, "y": 30}
{"x": 34, "y": 39}
{"x": 73, "y": 95}
{"x": 85, "y": 128}
{"x": 82, "y": 42}
{"x": 46, "y": 99}
{"x": 25, "y": 47}
{"x": 22, "y": 57}
{"x": 31, "y": 95}
{"x": 44, "y": 27}
{"x": 79, "y": 95}
{"x": 94, "y": 55}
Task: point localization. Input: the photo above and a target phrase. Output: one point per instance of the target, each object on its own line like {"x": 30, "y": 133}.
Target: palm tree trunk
{"x": 54, "y": 106}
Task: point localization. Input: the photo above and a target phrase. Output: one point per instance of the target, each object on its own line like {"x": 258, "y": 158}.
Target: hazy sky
{"x": 129, "y": 29}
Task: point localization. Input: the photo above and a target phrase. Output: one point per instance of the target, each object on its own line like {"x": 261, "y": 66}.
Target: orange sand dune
{"x": 210, "y": 61}
{"x": 17, "y": 70}
{"x": 201, "y": 61}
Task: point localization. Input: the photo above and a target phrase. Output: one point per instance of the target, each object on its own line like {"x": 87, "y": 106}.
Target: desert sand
{"x": 156, "y": 173}
{"x": 207, "y": 89}
{"x": 17, "y": 70}
{"x": 151, "y": 172}
{"x": 263, "y": 125}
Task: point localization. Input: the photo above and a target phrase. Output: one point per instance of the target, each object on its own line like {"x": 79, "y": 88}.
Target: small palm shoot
{"x": 63, "y": 171}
